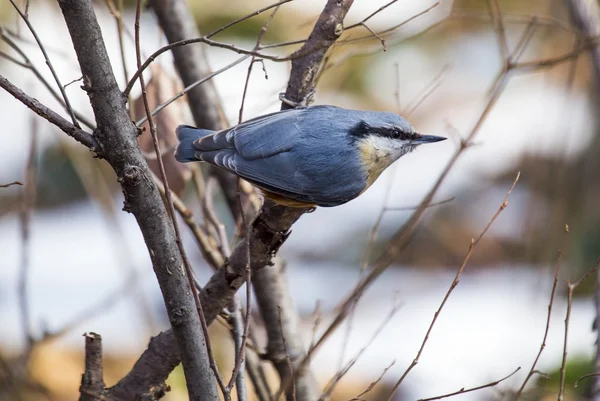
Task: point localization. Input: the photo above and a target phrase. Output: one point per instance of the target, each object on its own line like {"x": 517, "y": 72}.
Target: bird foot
{"x": 305, "y": 102}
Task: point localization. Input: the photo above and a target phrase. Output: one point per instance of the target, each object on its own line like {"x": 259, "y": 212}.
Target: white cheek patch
{"x": 381, "y": 143}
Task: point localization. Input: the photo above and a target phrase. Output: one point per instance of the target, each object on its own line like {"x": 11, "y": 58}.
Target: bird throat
{"x": 374, "y": 160}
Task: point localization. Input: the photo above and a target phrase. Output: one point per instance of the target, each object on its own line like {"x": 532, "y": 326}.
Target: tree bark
{"x": 118, "y": 138}
{"x": 177, "y": 22}
{"x": 271, "y": 227}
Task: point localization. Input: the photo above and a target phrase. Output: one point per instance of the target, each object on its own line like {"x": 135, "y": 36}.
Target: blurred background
{"x": 84, "y": 265}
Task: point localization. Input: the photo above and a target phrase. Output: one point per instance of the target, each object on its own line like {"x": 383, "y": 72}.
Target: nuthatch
{"x": 319, "y": 155}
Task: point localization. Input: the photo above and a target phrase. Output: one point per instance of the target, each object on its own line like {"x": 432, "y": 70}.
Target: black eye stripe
{"x": 363, "y": 129}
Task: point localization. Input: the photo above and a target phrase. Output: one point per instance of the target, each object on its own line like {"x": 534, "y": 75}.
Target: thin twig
{"x": 26, "y": 63}
{"x": 499, "y": 27}
{"x": 13, "y": 60}
{"x": 211, "y": 218}
{"x": 262, "y": 32}
{"x": 406, "y": 208}
{"x": 427, "y": 90}
{"x": 376, "y": 35}
{"x": 595, "y": 374}
{"x": 43, "y": 111}
{"x": 570, "y": 287}
{"x": 380, "y": 9}
{"x": 171, "y": 209}
{"x": 117, "y": 13}
{"x": 10, "y": 184}
{"x": 287, "y": 356}
{"x": 203, "y": 39}
{"x": 210, "y": 253}
{"x": 400, "y": 239}
{"x": 552, "y": 293}
{"x": 335, "y": 380}
{"x": 48, "y": 62}
{"x": 188, "y": 88}
{"x": 468, "y": 390}
{"x": 472, "y": 246}
{"x": 373, "y": 384}
{"x": 241, "y": 352}
{"x": 393, "y": 28}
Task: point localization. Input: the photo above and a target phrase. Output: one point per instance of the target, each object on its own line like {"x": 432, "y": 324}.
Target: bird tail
{"x": 185, "y": 151}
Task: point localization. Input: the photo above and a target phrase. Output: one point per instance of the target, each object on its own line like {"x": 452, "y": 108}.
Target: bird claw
{"x": 305, "y": 102}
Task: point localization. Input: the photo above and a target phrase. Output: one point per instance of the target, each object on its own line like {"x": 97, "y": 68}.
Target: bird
{"x": 306, "y": 156}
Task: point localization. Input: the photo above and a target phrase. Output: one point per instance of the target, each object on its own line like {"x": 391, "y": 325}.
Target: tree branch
{"x": 92, "y": 381}
{"x": 178, "y": 24}
{"x": 38, "y": 108}
{"x": 269, "y": 230}
{"x": 118, "y": 136}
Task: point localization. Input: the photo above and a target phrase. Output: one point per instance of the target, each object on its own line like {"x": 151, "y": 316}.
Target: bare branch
{"x": 373, "y": 384}
{"x": 92, "y": 381}
{"x": 307, "y": 60}
{"x": 499, "y": 27}
{"x": 203, "y": 39}
{"x": 570, "y": 287}
{"x": 391, "y": 29}
{"x": 48, "y": 62}
{"x": 342, "y": 372}
{"x": 119, "y": 137}
{"x": 380, "y": 9}
{"x": 463, "y": 390}
{"x": 543, "y": 345}
{"x": 288, "y": 360}
{"x": 472, "y": 246}
{"x": 11, "y": 184}
{"x": 78, "y": 134}
{"x": 188, "y": 88}
{"x": 203, "y": 386}
{"x": 26, "y": 63}
{"x": 262, "y": 32}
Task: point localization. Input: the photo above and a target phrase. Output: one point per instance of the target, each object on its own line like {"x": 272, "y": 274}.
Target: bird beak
{"x": 428, "y": 139}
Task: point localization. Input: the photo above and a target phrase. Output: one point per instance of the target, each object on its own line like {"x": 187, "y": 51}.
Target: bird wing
{"x": 279, "y": 173}
{"x": 274, "y": 152}
{"x": 257, "y": 138}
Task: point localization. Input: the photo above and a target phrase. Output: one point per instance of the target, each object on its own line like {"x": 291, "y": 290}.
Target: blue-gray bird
{"x": 305, "y": 157}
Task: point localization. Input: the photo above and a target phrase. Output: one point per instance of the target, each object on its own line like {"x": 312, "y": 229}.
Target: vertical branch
{"x": 118, "y": 137}
{"x": 282, "y": 324}
{"x": 269, "y": 283}
{"x": 570, "y": 288}
{"x": 472, "y": 246}
{"x": 205, "y": 388}
{"x": 92, "y": 380}
{"x": 177, "y": 22}
{"x": 117, "y": 12}
{"x": 543, "y": 345}
{"x": 29, "y": 195}
{"x": 305, "y": 69}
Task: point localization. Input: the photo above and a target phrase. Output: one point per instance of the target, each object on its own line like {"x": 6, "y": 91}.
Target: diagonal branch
{"x": 118, "y": 136}
{"x": 48, "y": 62}
{"x": 38, "y": 108}
{"x": 268, "y": 231}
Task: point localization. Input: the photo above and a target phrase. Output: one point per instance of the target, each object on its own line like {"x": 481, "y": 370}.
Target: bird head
{"x": 389, "y": 136}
